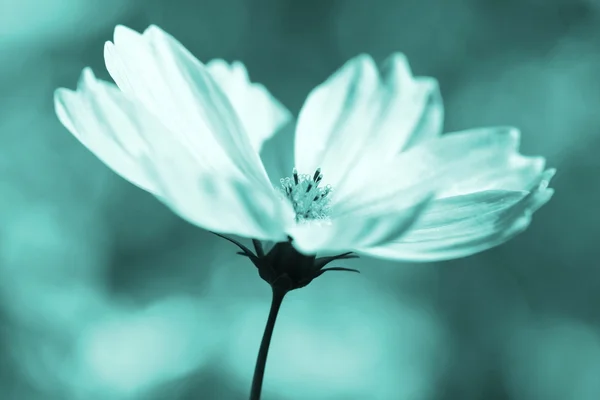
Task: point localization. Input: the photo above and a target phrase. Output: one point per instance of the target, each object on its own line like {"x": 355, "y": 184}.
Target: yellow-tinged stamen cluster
{"x": 310, "y": 202}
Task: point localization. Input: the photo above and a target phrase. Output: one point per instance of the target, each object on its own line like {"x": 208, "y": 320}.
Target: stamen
{"x": 310, "y": 202}
{"x": 317, "y": 175}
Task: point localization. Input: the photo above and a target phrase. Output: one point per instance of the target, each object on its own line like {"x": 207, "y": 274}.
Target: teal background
{"x": 105, "y": 294}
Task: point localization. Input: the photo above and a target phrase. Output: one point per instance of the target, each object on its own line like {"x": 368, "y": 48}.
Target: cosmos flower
{"x": 373, "y": 174}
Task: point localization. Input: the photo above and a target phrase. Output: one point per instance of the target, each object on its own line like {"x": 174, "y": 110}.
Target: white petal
{"x": 463, "y": 225}
{"x": 411, "y": 113}
{"x": 115, "y": 129}
{"x": 349, "y": 233}
{"x": 370, "y": 226}
{"x": 334, "y": 117}
{"x": 516, "y": 172}
{"x": 217, "y": 202}
{"x": 259, "y": 112}
{"x": 358, "y": 117}
{"x": 178, "y": 89}
{"x": 441, "y": 163}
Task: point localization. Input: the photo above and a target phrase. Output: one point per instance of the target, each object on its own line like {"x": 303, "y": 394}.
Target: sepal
{"x": 286, "y": 269}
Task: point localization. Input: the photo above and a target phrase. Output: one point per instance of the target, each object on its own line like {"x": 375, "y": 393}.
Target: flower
{"x": 373, "y": 173}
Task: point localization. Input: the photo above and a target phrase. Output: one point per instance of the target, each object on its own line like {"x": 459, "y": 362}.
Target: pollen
{"x": 309, "y": 200}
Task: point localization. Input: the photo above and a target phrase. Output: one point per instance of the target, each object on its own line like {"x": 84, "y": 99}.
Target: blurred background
{"x": 105, "y": 294}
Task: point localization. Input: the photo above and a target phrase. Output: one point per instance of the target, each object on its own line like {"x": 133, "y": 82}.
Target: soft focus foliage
{"x": 107, "y": 295}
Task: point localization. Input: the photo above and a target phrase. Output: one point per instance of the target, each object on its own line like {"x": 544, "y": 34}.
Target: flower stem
{"x": 261, "y": 360}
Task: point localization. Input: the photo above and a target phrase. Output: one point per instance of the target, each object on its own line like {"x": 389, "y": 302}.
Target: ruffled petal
{"x": 171, "y": 83}
{"x": 371, "y": 226}
{"x": 218, "y": 202}
{"x": 261, "y": 114}
{"x": 463, "y": 225}
{"x": 114, "y": 128}
{"x": 516, "y": 172}
{"x": 137, "y": 146}
{"x": 360, "y": 116}
{"x": 443, "y": 164}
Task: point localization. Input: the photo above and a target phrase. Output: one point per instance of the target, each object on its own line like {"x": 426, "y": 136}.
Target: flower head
{"x": 373, "y": 174}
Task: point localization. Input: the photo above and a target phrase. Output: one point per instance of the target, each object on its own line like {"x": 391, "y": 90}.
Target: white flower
{"x": 191, "y": 135}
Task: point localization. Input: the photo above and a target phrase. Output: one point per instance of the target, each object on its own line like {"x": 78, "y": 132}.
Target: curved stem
{"x": 261, "y": 360}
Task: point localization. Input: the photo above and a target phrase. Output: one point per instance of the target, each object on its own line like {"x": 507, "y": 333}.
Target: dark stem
{"x": 261, "y": 360}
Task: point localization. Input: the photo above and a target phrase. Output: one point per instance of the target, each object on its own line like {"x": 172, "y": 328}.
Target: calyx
{"x": 286, "y": 269}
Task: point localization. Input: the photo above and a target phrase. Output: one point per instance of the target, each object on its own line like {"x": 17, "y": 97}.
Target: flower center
{"x": 310, "y": 201}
